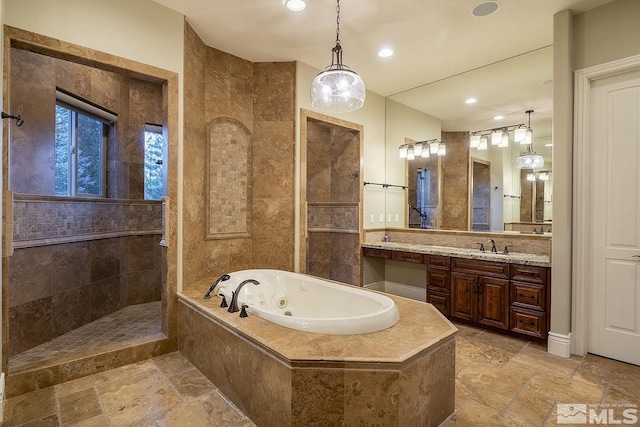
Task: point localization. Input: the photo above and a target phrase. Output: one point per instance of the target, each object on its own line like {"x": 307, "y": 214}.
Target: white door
{"x": 614, "y": 231}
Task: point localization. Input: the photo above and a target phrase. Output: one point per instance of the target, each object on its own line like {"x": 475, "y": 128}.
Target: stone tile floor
{"x": 500, "y": 381}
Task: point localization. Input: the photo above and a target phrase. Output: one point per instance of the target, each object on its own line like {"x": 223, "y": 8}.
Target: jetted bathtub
{"x": 311, "y": 304}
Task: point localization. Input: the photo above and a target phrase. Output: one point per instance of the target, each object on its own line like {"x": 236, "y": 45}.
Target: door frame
{"x": 305, "y": 115}
{"x": 472, "y": 161}
{"x": 581, "y": 216}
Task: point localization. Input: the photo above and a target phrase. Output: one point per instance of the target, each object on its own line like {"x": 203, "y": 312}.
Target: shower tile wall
{"x": 333, "y": 195}
{"x": 260, "y": 96}
{"x": 34, "y": 80}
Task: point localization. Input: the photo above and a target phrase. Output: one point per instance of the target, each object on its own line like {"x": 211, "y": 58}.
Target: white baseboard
{"x": 407, "y": 291}
{"x": 378, "y": 286}
{"x": 559, "y": 344}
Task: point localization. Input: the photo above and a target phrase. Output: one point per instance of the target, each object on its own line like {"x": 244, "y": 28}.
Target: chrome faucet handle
{"x": 506, "y": 249}
{"x": 481, "y": 246}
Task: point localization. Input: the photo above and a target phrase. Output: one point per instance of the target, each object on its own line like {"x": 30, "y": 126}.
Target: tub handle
{"x": 243, "y": 312}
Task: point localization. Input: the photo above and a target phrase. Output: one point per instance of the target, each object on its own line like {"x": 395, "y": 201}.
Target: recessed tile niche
{"x": 228, "y": 177}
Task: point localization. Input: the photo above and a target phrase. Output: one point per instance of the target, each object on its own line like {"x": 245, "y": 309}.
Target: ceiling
{"x": 433, "y": 40}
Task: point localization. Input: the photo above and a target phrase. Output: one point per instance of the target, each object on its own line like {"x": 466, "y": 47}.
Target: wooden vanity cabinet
{"x": 530, "y": 300}
{"x": 480, "y": 292}
{"x": 439, "y": 282}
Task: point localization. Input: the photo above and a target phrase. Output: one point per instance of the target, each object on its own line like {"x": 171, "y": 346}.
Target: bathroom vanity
{"x": 507, "y": 293}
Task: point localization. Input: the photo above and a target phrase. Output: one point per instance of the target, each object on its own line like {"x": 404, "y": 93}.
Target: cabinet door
{"x": 493, "y": 304}
{"x": 464, "y": 303}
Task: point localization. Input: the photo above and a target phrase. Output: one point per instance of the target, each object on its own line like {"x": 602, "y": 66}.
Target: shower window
{"x": 80, "y": 141}
{"x": 153, "y": 170}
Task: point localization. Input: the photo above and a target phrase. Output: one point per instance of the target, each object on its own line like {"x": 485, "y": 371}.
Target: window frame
{"x": 107, "y": 119}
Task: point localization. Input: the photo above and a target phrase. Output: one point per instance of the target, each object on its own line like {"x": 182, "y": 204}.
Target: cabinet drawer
{"x": 437, "y": 261}
{"x": 406, "y": 257}
{"x": 438, "y": 279}
{"x": 528, "y": 295}
{"x": 440, "y": 301}
{"x": 483, "y": 268}
{"x": 529, "y": 273}
{"x": 377, "y": 253}
{"x": 529, "y": 322}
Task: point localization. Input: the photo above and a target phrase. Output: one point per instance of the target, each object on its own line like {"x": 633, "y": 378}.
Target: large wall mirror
{"x": 483, "y": 185}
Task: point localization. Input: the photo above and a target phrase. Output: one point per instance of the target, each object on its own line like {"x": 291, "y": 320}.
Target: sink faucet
{"x": 220, "y": 279}
{"x": 493, "y": 246}
{"x": 233, "y": 306}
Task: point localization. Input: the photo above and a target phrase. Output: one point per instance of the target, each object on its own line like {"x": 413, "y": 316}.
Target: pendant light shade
{"x": 529, "y": 160}
{"x": 337, "y": 89}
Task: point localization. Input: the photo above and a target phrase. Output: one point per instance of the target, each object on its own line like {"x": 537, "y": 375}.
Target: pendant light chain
{"x": 338, "y": 22}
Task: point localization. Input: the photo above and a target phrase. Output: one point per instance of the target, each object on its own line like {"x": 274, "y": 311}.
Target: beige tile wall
{"x": 455, "y": 182}
{"x": 260, "y": 97}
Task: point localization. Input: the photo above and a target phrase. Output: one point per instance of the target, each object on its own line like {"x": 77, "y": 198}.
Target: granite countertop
{"x": 420, "y": 327}
{"x": 510, "y": 258}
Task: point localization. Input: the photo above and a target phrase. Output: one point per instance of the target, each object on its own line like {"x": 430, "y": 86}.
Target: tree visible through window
{"x": 153, "y": 171}
{"x": 79, "y": 153}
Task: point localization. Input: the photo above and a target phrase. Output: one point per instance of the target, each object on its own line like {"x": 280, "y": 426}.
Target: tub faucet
{"x": 220, "y": 279}
{"x": 493, "y": 246}
{"x": 233, "y": 306}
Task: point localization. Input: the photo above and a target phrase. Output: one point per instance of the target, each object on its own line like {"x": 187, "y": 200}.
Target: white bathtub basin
{"x": 311, "y": 304}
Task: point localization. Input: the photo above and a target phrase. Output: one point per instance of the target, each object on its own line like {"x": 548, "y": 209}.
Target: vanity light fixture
{"x": 484, "y": 143}
{"x": 496, "y": 136}
{"x": 337, "y": 89}
{"x": 474, "y": 141}
{"x": 411, "y": 155}
{"x": 531, "y": 176}
{"x": 422, "y": 149}
{"x": 404, "y": 151}
{"x": 295, "y": 5}
{"x": 522, "y": 133}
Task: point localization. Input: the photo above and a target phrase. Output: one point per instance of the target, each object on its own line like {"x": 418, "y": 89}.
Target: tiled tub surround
{"x": 524, "y": 244}
{"x": 401, "y": 376}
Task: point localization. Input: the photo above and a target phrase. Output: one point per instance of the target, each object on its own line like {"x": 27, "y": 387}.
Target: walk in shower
{"x": 86, "y": 260}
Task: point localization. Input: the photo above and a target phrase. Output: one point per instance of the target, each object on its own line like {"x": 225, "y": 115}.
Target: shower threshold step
{"x": 130, "y": 326}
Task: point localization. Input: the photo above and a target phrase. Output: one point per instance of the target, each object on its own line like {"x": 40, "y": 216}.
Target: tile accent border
{"x": 50, "y": 220}
{"x": 333, "y": 217}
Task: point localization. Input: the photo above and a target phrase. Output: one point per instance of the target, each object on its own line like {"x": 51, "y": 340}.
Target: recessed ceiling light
{"x": 548, "y": 145}
{"x": 547, "y": 82}
{"x": 295, "y": 5}
{"x": 486, "y": 8}
{"x": 385, "y": 53}
{"x": 498, "y": 118}
{"x": 470, "y": 101}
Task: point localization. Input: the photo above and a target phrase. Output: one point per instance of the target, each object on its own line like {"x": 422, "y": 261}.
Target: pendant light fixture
{"x": 337, "y": 89}
{"x": 529, "y": 159}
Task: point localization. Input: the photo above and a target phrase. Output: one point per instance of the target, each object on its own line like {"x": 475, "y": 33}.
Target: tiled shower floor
{"x": 133, "y": 325}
